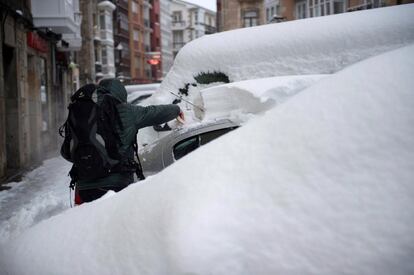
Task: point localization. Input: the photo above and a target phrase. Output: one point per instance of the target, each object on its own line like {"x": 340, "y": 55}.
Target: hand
{"x": 181, "y": 117}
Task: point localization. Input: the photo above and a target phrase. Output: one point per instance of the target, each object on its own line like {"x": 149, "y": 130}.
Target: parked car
{"x": 180, "y": 142}
{"x": 138, "y": 96}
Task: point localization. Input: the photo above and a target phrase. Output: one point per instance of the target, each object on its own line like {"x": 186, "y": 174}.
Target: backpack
{"x": 91, "y": 141}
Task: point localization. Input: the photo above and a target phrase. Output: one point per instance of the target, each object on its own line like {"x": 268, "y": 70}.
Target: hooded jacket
{"x": 133, "y": 118}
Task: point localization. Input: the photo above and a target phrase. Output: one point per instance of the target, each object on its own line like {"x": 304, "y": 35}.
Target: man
{"x": 133, "y": 118}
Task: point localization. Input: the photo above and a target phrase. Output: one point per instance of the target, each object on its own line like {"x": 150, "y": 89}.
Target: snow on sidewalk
{"x": 41, "y": 194}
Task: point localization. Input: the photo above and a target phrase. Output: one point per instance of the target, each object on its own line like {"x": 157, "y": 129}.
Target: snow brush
{"x": 189, "y": 102}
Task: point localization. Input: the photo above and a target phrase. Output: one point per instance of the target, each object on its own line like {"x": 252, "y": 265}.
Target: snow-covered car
{"x": 180, "y": 142}
{"x": 138, "y": 96}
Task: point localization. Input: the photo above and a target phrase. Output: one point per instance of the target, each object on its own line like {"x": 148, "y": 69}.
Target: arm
{"x": 155, "y": 114}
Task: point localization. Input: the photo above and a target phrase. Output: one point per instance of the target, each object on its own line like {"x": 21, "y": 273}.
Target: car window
{"x": 140, "y": 98}
{"x": 186, "y": 146}
{"x": 209, "y": 136}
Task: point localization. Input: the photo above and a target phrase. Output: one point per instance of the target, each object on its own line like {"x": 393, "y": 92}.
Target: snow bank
{"x": 240, "y": 99}
{"x": 320, "y": 185}
{"x": 320, "y": 45}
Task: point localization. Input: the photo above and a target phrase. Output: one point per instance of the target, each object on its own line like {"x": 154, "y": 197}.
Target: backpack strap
{"x": 138, "y": 166}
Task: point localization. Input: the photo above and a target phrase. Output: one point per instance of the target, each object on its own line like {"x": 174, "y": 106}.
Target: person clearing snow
{"x": 100, "y": 138}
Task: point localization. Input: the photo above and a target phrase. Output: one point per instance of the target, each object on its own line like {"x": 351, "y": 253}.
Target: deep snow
{"x": 320, "y": 185}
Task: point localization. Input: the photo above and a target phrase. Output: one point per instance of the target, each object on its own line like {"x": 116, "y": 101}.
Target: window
{"x": 301, "y": 10}
{"x": 102, "y": 21}
{"x": 123, "y": 22}
{"x": 250, "y": 19}
{"x": 177, "y": 16}
{"x": 268, "y": 15}
{"x": 104, "y": 56}
{"x": 136, "y": 35}
{"x": 338, "y": 7}
{"x": 137, "y": 63}
{"x": 188, "y": 145}
{"x": 196, "y": 17}
{"x": 178, "y": 37}
{"x": 134, "y": 7}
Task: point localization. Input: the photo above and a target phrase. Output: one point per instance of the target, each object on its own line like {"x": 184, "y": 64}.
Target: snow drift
{"x": 320, "y": 185}
{"x": 320, "y": 45}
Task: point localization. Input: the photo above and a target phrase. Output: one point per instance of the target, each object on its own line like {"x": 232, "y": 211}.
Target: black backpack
{"x": 91, "y": 140}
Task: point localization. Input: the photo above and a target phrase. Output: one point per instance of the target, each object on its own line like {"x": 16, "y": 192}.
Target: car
{"x": 138, "y": 96}
{"x": 180, "y": 142}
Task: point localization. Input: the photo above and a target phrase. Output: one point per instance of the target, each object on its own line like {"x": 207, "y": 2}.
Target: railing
{"x": 178, "y": 45}
{"x": 178, "y": 24}
{"x": 210, "y": 29}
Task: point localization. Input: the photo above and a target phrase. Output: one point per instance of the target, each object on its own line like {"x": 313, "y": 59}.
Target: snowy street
{"x": 316, "y": 179}
{"x": 42, "y": 193}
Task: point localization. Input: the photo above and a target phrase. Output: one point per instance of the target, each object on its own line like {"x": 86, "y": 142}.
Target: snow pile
{"x": 41, "y": 194}
{"x": 238, "y": 99}
{"x": 320, "y": 45}
{"x": 320, "y": 185}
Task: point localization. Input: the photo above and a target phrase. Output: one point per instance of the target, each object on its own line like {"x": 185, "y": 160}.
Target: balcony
{"x": 210, "y": 29}
{"x": 74, "y": 42}
{"x": 61, "y": 16}
{"x": 178, "y": 45}
{"x": 178, "y": 25}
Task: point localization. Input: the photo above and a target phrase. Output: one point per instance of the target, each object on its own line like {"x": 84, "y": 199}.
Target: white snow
{"x": 320, "y": 45}
{"x": 252, "y": 96}
{"x": 41, "y": 194}
{"x": 322, "y": 184}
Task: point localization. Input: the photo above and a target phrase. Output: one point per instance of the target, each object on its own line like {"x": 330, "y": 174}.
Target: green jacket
{"x": 133, "y": 118}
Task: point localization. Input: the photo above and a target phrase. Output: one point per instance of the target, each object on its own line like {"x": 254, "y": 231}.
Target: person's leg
{"x": 91, "y": 194}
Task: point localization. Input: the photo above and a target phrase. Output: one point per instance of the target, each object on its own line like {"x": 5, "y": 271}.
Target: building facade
{"x": 189, "y": 22}
{"x": 234, "y": 14}
{"x": 154, "y": 56}
{"x": 167, "y": 57}
{"x": 96, "y": 58}
{"x": 136, "y": 41}
{"x": 314, "y": 8}
{"x": 37, "y": 44}
{"x": 121, "y": 30}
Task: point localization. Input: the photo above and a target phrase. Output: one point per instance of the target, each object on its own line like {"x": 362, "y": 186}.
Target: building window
{"x": 301, "y": 10}
{"x": 177, "y": 17}
{"x": 136, "y": 35}
{"x": 338, "y": 7}
{"x": 137, "y": 63}
{"x": 178, "y": 36}
{"x": 196, "y": 17}
{"x": 123, "y": 21}
{"x": 102, "y": 21}
{"x": 134, "y": 7}
{"x": 250, "y": 18}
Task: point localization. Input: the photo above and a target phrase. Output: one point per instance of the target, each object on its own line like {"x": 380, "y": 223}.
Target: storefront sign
{"x": 36, "y": 42}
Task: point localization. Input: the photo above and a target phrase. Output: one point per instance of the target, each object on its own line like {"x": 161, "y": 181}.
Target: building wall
{"x": 156, "y": 71}
{"x": 166, "y": 36}
{"x": 31, "y": 108}
{"x": 231, "y": 13}
{"x": 136, "y": 35}
{"x": 192, "y": 23}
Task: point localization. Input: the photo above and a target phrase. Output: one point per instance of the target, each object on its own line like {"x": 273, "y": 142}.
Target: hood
{"x": 115, "y": 87}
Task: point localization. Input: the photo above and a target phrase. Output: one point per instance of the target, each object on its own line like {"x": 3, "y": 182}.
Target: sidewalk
{"x": 42, "y": 193}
